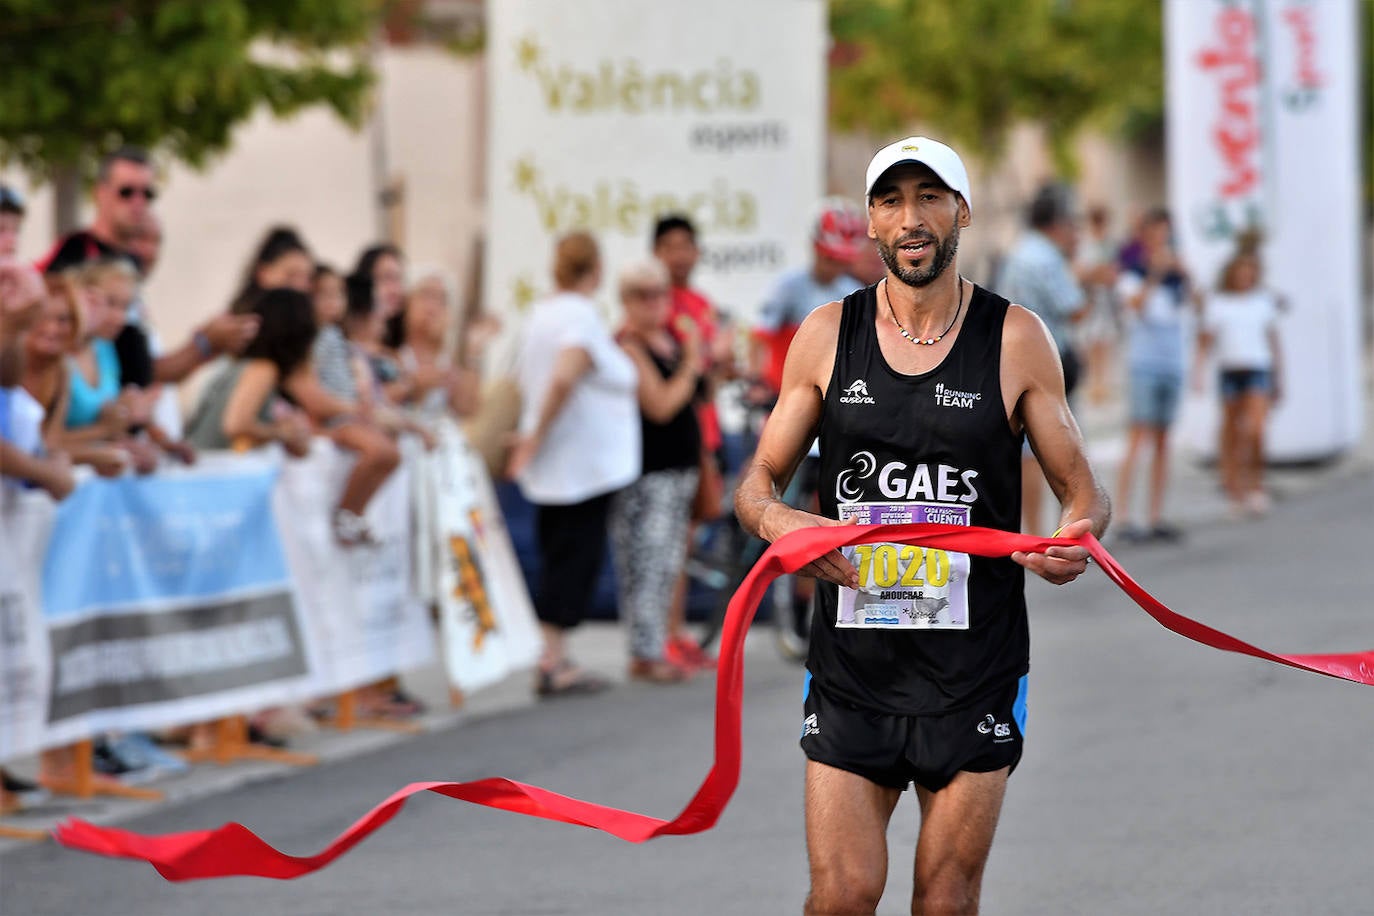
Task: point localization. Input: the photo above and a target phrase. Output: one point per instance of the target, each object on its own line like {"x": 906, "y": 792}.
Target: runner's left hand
{"x": 1059, "y": 565}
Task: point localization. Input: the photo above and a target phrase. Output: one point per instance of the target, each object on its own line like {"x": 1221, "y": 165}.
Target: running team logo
{"x": 952, "y": 397}
{"x": 810, "y": 726}
{"x": 857, "y": 393}
{"x": 847, "y": 486}
{"x": 1000, "y": 731}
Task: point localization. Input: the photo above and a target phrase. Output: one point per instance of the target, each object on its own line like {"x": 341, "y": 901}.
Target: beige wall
{"x": 317, "y": 174}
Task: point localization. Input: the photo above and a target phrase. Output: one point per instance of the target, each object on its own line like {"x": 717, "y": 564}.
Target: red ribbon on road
{"x": 235, "y": 850}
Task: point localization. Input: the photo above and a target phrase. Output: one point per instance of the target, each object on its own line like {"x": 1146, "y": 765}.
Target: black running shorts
{"x": 895, "y": 751}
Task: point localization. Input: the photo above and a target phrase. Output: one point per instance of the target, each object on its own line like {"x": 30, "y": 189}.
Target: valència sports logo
{"x": 857, "y": 393}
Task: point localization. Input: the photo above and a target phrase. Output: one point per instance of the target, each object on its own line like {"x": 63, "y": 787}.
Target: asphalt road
{"x": 1160, "y": 776}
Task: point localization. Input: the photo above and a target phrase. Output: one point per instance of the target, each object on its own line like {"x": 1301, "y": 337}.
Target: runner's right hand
{"x": 831, "y": 567}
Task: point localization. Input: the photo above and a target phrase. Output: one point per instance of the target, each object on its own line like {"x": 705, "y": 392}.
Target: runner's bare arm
{"x": 785, "y": 440}
{"x": 1033, "y": 380}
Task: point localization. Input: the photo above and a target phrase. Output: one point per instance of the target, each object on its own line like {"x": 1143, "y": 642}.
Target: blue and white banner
{"x": 167, "y": 599}
{"x": 26, "y": 518}
{"x": 197, "y": 593}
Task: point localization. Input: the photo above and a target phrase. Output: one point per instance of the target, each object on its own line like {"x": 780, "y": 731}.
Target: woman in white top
{"x": 1240, "y": 328}
{"x": 578, "y": 444}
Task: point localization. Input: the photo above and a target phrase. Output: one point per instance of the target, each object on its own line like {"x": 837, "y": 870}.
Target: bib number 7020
{"x": 887, "y": 565}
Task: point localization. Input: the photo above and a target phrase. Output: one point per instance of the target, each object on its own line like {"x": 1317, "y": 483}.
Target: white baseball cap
{"x": 940, "y": 159}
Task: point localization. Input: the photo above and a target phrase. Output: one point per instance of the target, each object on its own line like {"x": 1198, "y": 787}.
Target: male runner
{"x": 922, "y": 387}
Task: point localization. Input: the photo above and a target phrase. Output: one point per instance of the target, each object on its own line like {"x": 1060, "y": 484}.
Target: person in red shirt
{"x": 675, "y": 245}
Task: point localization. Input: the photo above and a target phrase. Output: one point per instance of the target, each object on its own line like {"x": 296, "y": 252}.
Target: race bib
{"x": 901, "y": 586}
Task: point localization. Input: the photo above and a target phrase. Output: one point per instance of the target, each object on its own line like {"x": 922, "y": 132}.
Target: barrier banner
{"x": 357, "y": 602}
{"x": 26, "y": 518}
{"x": 167, "y": 600}
{"x": 487, "y": 622}
{"x": 234, "y": 850}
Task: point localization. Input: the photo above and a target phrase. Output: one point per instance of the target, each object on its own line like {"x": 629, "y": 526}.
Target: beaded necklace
{"x": 928, "y": 341}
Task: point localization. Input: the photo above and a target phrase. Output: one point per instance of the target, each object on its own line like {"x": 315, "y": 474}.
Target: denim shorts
{"x": 1154, "y": 396}
{"x": 1236, "y": 382}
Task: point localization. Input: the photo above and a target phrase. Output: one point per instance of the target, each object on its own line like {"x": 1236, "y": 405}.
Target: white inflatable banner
{"x": 486, "y": 620}
{"x": 1262, "y": 127}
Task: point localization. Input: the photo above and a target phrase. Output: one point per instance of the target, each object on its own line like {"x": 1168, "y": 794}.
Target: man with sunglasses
{"x": 124, "y": 193}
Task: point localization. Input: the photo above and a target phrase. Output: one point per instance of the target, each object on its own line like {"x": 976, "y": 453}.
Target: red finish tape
{"x": 234, "y": 850}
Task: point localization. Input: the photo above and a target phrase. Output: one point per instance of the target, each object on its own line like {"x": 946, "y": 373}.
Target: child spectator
{"x": 335, "y": 381}
{"x": 1240, "y": 327}
{"x": 107, "y": 287}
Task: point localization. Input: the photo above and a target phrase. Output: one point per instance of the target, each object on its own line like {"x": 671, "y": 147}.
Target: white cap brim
{"x": 933, "y": 154}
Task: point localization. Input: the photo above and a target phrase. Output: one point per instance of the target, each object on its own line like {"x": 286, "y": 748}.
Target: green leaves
{"x": 973, "y": 68}
{"x": 81, "y": 76}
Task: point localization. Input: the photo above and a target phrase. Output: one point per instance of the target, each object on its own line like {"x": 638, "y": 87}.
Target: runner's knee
{"x": 950, "y": 888}
{"x": 953, "y": 897}
{"x": 845, "y": 890}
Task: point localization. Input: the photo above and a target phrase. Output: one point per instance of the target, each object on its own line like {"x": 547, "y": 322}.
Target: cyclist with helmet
{"x": 837, "y": 240}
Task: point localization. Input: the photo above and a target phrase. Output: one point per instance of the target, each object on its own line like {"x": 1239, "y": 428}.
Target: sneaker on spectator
{"x": 27, "y": 794}
{"x": 143, "y": 759}
{"x": 684, "y": 652}
{"x": 351, "y": 529}
{"x": 285, "y": 722}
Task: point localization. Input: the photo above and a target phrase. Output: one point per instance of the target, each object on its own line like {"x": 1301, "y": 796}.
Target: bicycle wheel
{"x": 793, "y": 607}
{"x": 721, "y": 566}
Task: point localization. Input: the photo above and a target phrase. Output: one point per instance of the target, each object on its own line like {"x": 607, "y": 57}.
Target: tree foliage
{"x": 82, "y": 76}
{"x": 974, "y": 68}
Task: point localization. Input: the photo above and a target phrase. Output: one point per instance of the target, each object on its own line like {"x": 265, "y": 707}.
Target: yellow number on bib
{"x": 937, "y": 567}
{"x": 864, "y": 553}
{"x": 914, "y": 558}
{"x": 886, "y": 567}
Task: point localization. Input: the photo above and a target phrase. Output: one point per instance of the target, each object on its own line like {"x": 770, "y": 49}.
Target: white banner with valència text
{"x": 606, "y": 114}
{"x": 1262, "y": 124}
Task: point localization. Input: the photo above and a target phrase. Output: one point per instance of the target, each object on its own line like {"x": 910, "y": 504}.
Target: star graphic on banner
{"x": 526, "y": 175}
{"x": 527, "y": 53}
{"x": 522, "y": 293}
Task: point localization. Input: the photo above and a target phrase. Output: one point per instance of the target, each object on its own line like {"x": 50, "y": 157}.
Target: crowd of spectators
{"x": 1136, "y": 306}
{"x": 300, "y": 351}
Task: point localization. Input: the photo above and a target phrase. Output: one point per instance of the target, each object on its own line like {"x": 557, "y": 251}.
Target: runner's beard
{"x": 917, "y": 276}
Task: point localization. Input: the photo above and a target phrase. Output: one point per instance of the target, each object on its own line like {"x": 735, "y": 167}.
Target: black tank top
{"x": 928, "y": 631}
{"x": 675, "y": 444}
